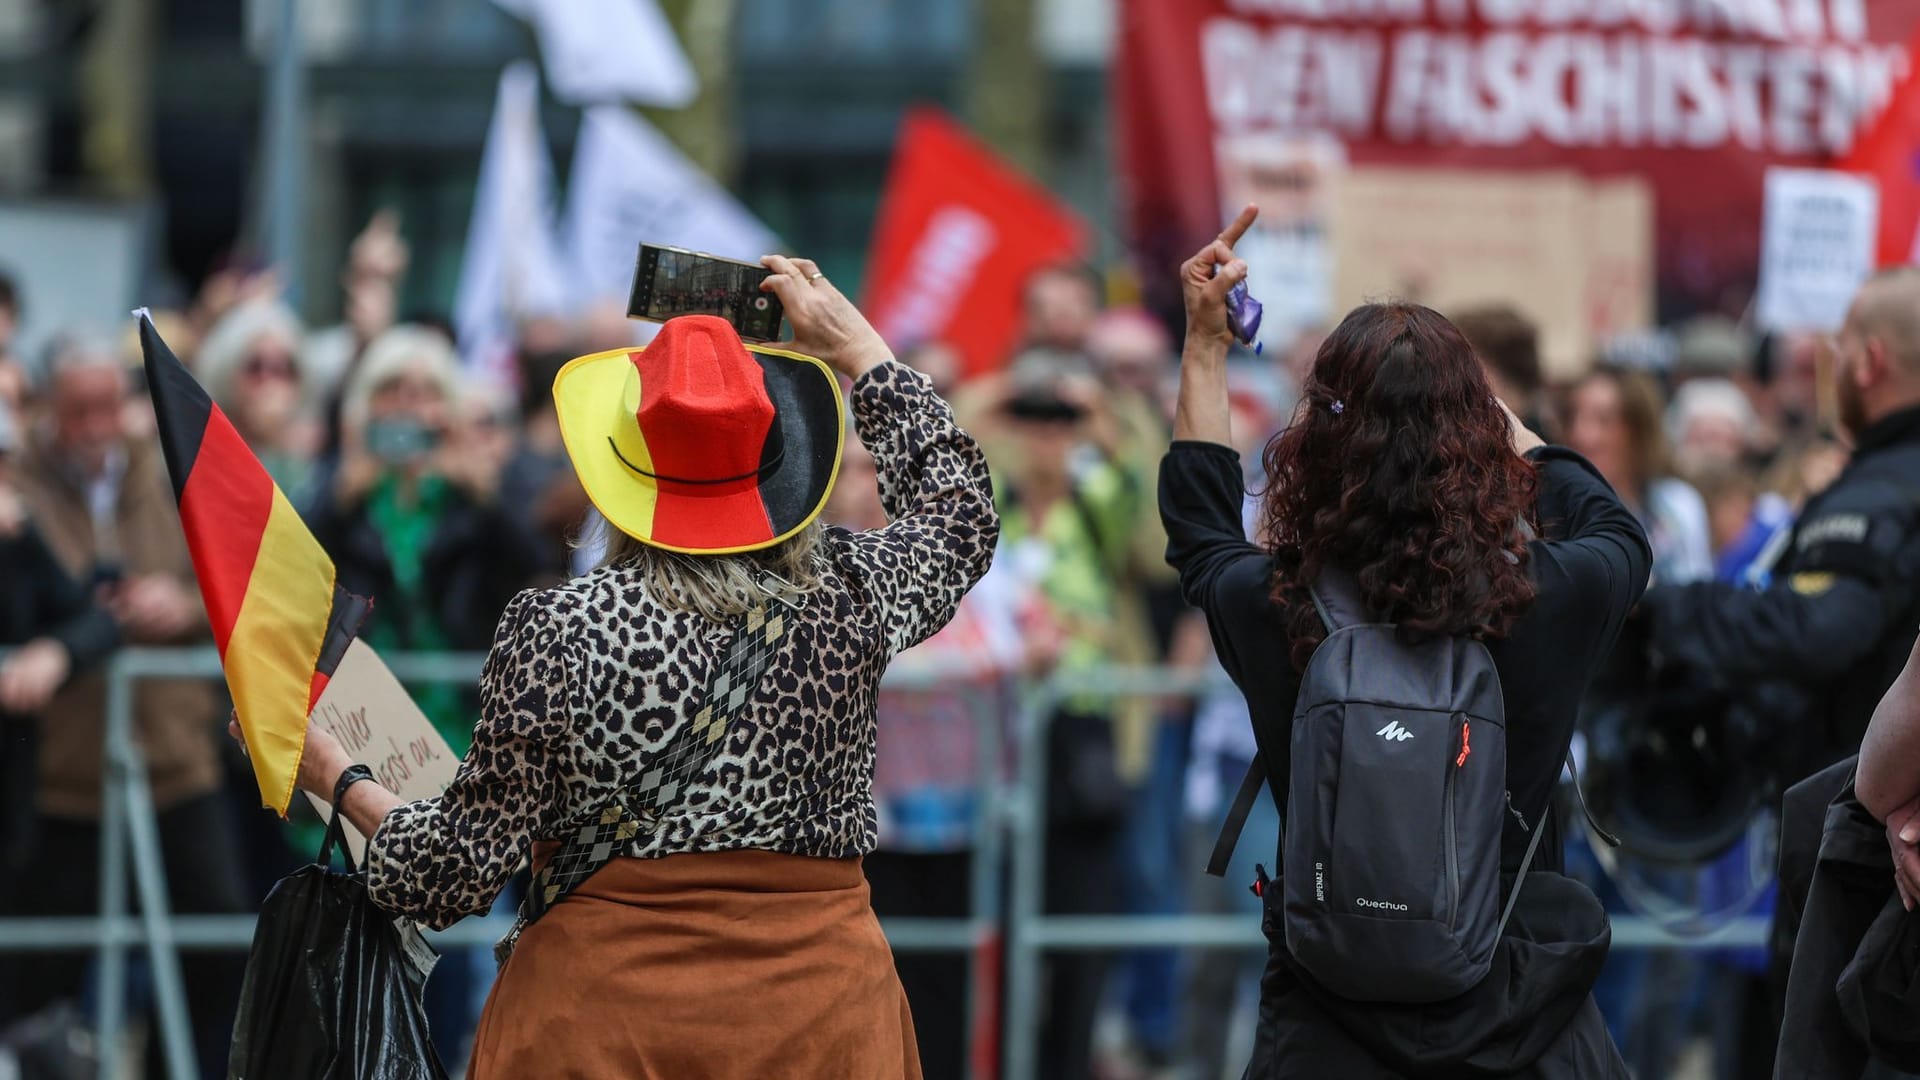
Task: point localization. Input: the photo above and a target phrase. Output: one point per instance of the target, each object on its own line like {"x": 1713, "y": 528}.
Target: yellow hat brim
{"x": 587, "y": 397}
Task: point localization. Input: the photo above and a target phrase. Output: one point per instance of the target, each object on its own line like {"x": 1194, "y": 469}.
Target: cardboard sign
{"x": 375, "y": 719}
{"x": 1573, "y": 256}
{"x": 1817, "y": 246}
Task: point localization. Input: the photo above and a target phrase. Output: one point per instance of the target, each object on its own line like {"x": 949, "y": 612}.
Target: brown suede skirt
{"x": 731, "y": 964}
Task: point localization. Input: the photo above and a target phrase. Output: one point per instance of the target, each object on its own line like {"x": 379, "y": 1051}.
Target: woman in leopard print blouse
{"x": 730, "y": 934}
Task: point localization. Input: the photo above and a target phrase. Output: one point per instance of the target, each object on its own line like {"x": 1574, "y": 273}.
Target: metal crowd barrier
{"x": 1015, "y": 817}
{"x": 1032, "y": 933}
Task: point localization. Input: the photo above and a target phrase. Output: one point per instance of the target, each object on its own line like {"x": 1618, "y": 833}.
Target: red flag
{"x": 1889, "y": 151}
{"x": 959, "y": 233}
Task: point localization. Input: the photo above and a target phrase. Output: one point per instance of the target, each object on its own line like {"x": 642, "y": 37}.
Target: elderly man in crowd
{"x": 107, "y": 511}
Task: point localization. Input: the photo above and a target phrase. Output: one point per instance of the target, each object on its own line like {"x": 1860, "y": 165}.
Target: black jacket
{"x": 1532, "y": 1016}
{"x": 38, "y": 599}
{"x": 1853, "y": 995}
{"x": 1812, "y": 654}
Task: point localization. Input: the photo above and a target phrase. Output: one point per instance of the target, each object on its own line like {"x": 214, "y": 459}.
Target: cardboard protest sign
{"x": 375, "y": 719}
{"x": 1574, "y": 256}
{"x": 1818, "y": 237}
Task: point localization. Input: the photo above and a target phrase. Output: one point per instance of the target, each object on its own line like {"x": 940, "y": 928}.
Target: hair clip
{"x": 1339, "y": 407}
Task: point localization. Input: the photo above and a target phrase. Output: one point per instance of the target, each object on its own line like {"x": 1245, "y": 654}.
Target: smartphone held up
{"x": 671, "y": 281}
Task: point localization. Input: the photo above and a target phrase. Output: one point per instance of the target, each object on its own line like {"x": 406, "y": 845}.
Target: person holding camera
{"x": 684, "y": 738}
{"x": 1434, "y": 588}
{"x": 411, "y": 517}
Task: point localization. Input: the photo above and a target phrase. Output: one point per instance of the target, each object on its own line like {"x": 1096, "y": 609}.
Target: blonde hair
{"x": 400, "y": 350}
{"x": 232, "y": 339}
{"x": 720, "y": 587}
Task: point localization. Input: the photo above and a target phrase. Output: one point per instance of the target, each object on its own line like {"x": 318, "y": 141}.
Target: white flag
{"x": 600, "y": 51}
{"x": 512, "y": 268}
{"x": 630, "y": 185}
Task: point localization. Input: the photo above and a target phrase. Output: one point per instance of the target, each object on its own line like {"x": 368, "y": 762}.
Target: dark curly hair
{"x": 1400, "y": 470}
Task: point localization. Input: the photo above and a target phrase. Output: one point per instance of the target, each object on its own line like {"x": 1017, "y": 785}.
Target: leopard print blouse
{"x": 588, "y": 681}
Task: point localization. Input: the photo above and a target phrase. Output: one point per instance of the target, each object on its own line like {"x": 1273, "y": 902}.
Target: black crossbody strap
{"x": 1250, "y": 786}
{"x": 1539, "y": 830}
{"x": 600, "y": 838}
{"x": 1580, "y": 794}
{"x": 1520, "y": 879}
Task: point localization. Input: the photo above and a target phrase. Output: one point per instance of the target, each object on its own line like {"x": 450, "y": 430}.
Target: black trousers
{"x": 61, "y": 876}
{"x": 929, "y": 886}
{"x": 1086, "y": 811}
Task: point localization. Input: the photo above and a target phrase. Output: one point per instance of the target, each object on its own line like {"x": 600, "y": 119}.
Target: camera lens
{"x": 759, "y": 303}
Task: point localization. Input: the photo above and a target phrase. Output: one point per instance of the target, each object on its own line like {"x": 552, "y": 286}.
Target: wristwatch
{"x": 350, "y": 776}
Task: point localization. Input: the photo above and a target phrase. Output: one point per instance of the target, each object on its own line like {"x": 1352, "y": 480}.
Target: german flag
{"x": 281, "y": 623}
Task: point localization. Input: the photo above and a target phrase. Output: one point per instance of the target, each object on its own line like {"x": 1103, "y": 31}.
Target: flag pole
{"x": 284, "y": 137}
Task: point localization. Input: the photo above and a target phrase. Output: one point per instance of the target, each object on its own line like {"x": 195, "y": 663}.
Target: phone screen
{"x": 670, "y": 282}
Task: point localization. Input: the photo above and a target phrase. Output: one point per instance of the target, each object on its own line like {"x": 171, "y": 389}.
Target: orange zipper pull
{"x": 1464, "y": 748}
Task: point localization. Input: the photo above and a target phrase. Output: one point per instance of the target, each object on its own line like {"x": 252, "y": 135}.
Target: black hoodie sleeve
{"x": 63, "y": 610}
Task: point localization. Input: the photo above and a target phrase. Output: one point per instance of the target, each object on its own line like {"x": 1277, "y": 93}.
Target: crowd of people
{"x": 442, "y": 496}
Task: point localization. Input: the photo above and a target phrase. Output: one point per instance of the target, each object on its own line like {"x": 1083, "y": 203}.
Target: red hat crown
{"x": 704, "y": 409}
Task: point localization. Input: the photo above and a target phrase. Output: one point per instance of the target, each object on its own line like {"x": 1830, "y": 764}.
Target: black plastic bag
{"x": 333, "y": 984}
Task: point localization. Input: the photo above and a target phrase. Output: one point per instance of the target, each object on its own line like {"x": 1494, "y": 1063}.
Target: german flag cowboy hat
{"x": 698, "y": 443}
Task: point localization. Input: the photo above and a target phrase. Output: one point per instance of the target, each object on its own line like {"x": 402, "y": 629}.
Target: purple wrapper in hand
{"x": 1243, "y": 314}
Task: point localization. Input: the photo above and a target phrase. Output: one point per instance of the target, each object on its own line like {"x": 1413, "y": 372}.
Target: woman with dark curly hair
{"x": 1403, "y": 472}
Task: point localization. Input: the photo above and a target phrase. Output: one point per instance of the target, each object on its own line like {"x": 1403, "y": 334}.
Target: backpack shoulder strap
{"x": 1250, "y": 786}
{"x": 1336, "y": 596}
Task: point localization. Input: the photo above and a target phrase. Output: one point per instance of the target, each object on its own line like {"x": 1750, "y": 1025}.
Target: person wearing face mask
{"x": 411, "y": 514}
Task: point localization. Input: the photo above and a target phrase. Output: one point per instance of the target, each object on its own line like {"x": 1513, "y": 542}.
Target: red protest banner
{"x": 1697, "y": 99}
{"x": 959, "y": 233}
{"x": 1889, "y": 152}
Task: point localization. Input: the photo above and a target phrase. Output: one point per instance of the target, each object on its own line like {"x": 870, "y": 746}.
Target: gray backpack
{"x": 1396, "y": 802}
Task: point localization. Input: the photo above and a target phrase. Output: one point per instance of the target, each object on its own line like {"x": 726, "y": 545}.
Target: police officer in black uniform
{"x": 1811, "y": 655}
{"x": 1806, "y": 659}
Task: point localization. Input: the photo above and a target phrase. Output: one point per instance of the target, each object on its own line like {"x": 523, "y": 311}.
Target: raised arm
{"x": 939, "y": 500}
{"x": 1203, "y": 412}
{"x": 933, "y": 477}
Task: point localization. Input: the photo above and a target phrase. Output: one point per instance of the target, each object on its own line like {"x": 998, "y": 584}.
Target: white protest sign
{"x": 1816, "y": 247}
{"x": 1289, "y": 256}
{"x": 375, "y": 719}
